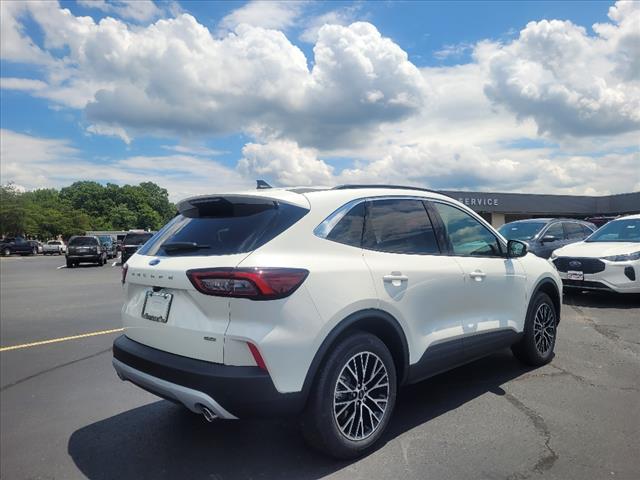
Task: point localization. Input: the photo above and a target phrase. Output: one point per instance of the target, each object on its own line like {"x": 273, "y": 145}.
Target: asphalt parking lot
{"x": 65, "y": 414}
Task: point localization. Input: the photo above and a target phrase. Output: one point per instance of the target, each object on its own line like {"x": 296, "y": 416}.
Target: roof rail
{"x": 399, "y": 187}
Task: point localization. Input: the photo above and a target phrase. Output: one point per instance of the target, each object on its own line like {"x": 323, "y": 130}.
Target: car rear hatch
{"x": 163, "y": 309}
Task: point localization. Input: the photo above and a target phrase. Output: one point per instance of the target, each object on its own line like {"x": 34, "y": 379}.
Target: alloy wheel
{"x": 361, "y": 396}
{"x": 544, "y": 328}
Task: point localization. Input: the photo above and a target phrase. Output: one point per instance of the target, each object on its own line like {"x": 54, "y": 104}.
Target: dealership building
{"x": 501, "y": 208}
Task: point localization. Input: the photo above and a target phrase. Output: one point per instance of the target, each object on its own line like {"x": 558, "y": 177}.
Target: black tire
{"x": 536, "y": 346}
{"x": 34, "y": 251}
{"x": 320, "y": 424}
{"x": 6, "y": 252}
{"x": 69, "y": 263}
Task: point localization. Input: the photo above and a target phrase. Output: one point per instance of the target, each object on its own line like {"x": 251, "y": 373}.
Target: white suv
{"x": 323, "y": 302}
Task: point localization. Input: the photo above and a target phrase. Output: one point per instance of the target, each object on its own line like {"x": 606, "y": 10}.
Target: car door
{"x": 556, "y": 231}
{"x": 414, "y": 282}
{"x": 493, "y": 293}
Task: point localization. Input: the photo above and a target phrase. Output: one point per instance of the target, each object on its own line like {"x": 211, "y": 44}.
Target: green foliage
{"x": 83, "y": 206}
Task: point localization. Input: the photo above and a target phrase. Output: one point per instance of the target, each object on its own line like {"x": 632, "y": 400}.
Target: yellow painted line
{"x": 62, "y": 339}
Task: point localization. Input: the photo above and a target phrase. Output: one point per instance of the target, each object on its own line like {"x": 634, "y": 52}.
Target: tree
{"x": 12, "y": 210}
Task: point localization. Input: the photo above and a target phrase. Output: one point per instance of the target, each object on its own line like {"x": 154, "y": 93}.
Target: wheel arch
{"x": 374, "y": 321}
{"x": 548, "y": 286}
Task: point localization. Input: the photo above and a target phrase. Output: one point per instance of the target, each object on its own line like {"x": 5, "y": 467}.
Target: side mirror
{"x": 516, "y": 249}
{"x": 548, "y": 238}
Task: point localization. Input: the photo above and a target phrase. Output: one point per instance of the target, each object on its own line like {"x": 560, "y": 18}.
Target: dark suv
{"x": 544, "y": 235}
{"x": 85, "y": 249}
{"x": 132, "y": 242}
{"x": 17, "y": 245}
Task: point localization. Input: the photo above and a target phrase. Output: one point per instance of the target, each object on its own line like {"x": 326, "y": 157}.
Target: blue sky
{"x": 201, "y": 96}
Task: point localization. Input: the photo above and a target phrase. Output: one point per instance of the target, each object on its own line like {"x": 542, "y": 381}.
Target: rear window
{"x": 219, "y": 227}
{"x": 53, "y": 242}
{"x": 83, "y": 241}
{"x": 137, "y": 238}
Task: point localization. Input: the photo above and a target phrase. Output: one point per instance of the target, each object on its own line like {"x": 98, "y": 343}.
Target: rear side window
{"x": 219, "y": 227}
{"x": 467, "y": 235}
{"x": 399, "y": 226}
{"x": 83, "y": 241}
{"x": 573, "y": 231}
{"x": 349, "y": 229}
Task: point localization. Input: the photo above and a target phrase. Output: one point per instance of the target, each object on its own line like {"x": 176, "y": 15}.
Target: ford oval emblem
{"x": 575, "y": 263}
{"x": 154, "y": 261}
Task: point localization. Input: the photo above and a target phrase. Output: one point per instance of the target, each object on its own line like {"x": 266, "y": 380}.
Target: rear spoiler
{"x": 190, "y": 206}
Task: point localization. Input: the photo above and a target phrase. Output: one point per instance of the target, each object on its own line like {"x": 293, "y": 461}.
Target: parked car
{"x": 18, "y": 245}
{"x": 85, "y": 249}
{"x": 544, "y": 235}
{"x": 322, "y": 303}
{"x": 109, "y": 245}
{"x": 132, "y": 242}
{"x": 599, "y": 221}
{"x": 37, "y": 245}
{"x": 56, "y": 247}
{"x": 608, "y": 260}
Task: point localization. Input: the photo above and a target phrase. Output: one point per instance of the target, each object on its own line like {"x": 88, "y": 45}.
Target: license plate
{"x": 156, "y": 306}
{"x": 575, "y": 275}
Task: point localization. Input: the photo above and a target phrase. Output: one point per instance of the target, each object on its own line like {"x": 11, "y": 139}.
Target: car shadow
{"x": 162, "y": 440}
{"x": 595, "y": 299}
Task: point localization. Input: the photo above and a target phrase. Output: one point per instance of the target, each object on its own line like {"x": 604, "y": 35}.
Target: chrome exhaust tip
{"x": 209, "y": 416}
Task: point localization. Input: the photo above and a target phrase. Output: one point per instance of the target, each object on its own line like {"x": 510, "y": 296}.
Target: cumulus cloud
{"x": 285, "y": 163}
{"x": 278, "y": 15}
{"x": 569, "y": 82}
{"x": 175, "y": 77}
{"x": 138, "y": 10}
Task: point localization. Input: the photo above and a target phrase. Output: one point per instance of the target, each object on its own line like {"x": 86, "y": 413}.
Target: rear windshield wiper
{"x": 175, "y": 246}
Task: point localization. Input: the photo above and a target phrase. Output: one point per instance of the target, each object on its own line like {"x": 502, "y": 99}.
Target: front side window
{"x": 556, "y": 231}
{"x": 399, "y": 226}
{"x": 467, "y": 236}
{"x": 618, "y": 231}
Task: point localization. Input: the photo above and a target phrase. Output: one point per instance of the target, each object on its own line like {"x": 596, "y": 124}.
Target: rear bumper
{"x": 85, "y": 258}
{"x": 229, "y": 391}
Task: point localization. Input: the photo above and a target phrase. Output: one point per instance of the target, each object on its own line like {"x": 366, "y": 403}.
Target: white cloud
{"x": 341, "y": 16}
{"x": 36, "y": 162}
{"x": 26, "y": 84}
{"x": 175, "y": 77}
{"x": 278, "y": 15}
{"x": 454, "y": 50}
{"x": 138, "y": 10}
{"x": 571, "y": 83}
{"x": 284, "y": 163}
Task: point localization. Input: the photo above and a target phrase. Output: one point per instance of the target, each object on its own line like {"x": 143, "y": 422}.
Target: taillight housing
{"x": 252, "y": 283}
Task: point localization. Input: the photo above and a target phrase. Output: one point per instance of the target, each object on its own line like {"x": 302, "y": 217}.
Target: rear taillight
{"x": 252, "y": 283}
{"x": 125, "y": 269}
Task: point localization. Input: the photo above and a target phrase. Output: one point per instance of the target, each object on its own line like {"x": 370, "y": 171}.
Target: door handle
{"x": 395, "y": 277}
{"x": 477, "y": 275}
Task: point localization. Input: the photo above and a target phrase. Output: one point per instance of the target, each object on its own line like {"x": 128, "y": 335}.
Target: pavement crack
{"x": 48, "y": 370}
{"x": 549, "y": 457}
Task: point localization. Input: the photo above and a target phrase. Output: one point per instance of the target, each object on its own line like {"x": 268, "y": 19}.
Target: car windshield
{"x": 82, "y": 241}
{"x": 618, "y": 231}
{"x": 137, "y": 238}
{"x": 521, "y": 230}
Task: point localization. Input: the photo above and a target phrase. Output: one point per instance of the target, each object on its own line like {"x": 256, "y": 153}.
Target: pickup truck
{"x": 54, "y": 247}
{"x": 17, "y": 245}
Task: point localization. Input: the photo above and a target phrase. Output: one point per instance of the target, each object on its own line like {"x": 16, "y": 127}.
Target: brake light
{"x": 252, "y": 283}
{"x": 125, "y": 269}
{"x": 256, "y": 356}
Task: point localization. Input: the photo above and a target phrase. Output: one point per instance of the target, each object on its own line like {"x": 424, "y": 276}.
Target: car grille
{"x": 586, "y": 265}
